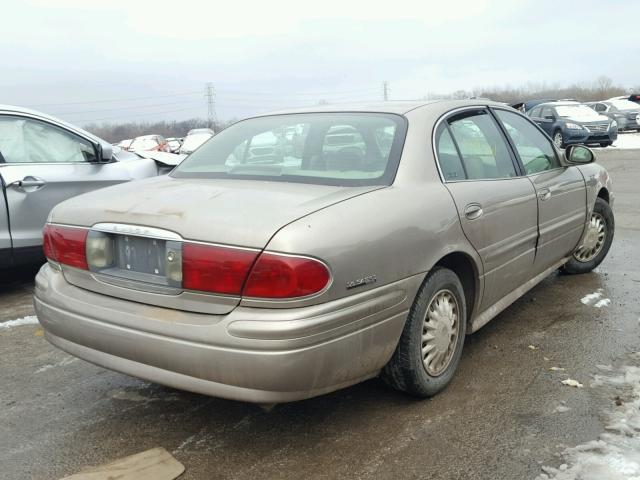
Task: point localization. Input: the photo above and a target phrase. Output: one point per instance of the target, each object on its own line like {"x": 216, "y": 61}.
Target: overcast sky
{"x": 115, "y": 60}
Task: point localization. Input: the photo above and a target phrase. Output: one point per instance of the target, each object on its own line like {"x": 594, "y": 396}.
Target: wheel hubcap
{"x": 440, "y": 332}
{"x": 558, "y": 139}
{"x": 593, "y": 239}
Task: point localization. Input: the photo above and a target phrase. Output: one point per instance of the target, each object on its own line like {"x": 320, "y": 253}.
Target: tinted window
{"x": 533, "y": 147}
{"x": 31, "y": 141}
{"x": 482, "y": 148}
{"x": 322, "y": 148}
{"x": 536, "y": 112}
{"x": 599, "y": 107}
{"x": 448, "y": 158}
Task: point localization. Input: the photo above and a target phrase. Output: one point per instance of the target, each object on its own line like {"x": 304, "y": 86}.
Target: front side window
{"x": 23, "y": 140}
{"x": 483, "y": 150}
{"x": 324, "y": 148}
{"x": 533, "y": 147}
{"x": 536, "y": 112}
{"x": 547, "y": 112}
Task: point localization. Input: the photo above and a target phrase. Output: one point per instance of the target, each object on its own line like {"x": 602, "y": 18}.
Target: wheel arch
{"x": 603, "y": 193}
{"x": 464, "y": 266}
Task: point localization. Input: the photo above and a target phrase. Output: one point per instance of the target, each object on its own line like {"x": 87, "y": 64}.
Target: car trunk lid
{"x": 148, "y": 221}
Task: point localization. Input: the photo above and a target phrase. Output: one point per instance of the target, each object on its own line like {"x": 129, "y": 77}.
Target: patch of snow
{"x": 616, "y": 454}
{"x": 62, "y": 363}
{"x": 605, "y": 302}
{"x": 30, "y": 320}
{"x": 591, "y": 297}
{"x": 627, "y": 140}
{"x": 572, "y": 383}
{"x": 557, "y": 369}
{"x": 562, "y": 409}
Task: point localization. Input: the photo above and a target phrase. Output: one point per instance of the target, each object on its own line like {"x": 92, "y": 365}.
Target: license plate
{"x": 139, "y": 254}
{"x": 131, "y": 257}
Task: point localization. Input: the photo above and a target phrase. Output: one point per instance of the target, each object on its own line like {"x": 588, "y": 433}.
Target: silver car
{"x": 43, "y": 161}
{"x": 274, "y": 282}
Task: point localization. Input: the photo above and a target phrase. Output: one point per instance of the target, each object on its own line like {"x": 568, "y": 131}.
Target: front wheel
{"x": 596, "y": 242}
{"x": 430, "y": 346}
{"x": 558, "y": 139}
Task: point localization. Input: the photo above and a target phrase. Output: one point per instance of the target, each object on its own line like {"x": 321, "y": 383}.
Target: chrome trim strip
{"x": 137, "y": 231}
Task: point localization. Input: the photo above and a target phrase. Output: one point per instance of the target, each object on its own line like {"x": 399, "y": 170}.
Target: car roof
{"x": 397, "y": 107}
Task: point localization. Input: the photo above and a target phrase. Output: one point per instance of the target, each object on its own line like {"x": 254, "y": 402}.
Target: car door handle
{"x": 27, "y": 182}
{"x": 473, "y": 211}
{"x": 544, "y": 194}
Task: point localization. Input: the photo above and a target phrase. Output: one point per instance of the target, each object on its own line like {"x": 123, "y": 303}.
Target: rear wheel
{"x": 558, "y": 139}
{"x": 596, "y": 242}
{"x": 431, "y": 343}
{"x": 605, "y": 144}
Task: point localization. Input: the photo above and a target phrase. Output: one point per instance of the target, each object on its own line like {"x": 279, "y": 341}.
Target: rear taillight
{"x": 225, "y": 270}
{"x": 215, "y": 269}
{"x": 66, "y": 245}
{"x": 283, "y": 276}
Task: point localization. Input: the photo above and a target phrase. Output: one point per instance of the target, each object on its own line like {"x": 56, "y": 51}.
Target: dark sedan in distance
{"x": 572, "y": 123}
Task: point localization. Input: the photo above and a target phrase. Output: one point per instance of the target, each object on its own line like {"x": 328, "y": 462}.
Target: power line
{"x": 199, "y": 102}
{"x": 113, "y": 100}
{"x": 141, "y": 114}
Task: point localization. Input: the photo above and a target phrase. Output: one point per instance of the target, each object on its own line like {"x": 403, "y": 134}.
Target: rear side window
{"x": 482, "y": 148}
{"x": 450, "y": 163}
{"x": 534, "y": 149}
{"x": 536, "y": 112}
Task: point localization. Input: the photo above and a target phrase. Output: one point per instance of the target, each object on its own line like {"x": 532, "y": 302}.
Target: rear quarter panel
{"x": 392, "y": 234}
{"x": 596, "y": 178}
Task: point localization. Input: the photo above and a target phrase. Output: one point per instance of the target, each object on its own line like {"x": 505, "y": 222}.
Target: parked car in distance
{"x": 44, "y": 161}
{"x": 276, "y": 282}
{"x": 634, "y": 97}
{"x": 155, "y": 143}
{"x": 625, "y": 113}
{"x": 174, "y": 144}
{"x": 194, "y": 139}
{"x": 124, "y": 144}
{"x": 571, "y": 123}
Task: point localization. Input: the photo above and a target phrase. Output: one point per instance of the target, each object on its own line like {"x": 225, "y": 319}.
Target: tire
{"x": 585, "y": 259}
{"x": 558, "y": 139}
{"x": 605, "y": 144}
{"x": 406, "y": 370}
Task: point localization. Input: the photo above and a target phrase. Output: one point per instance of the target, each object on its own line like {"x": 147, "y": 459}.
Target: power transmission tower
{"x": 385, "y": 90}
{"x": 210, "y": 95}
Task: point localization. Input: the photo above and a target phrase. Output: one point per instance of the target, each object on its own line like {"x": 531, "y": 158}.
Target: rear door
{"x": 497, "y": 207}
{"x": 45, "y": 164}
{"x": 561, "y": 190}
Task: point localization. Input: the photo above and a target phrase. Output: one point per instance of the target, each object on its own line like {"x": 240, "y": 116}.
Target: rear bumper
{"x": 250, "y": 354}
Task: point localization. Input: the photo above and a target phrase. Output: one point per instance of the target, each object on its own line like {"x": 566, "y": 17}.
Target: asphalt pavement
{"x": 499, "y": 419}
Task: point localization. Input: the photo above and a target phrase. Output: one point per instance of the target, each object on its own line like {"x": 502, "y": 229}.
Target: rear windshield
{"x": 347, "y": 149}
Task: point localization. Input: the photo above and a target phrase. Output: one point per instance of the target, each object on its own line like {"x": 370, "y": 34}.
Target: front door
{"x": 561, "y": 190}
{"x": 497, "y": 207}
{"x": 42, "y": 165}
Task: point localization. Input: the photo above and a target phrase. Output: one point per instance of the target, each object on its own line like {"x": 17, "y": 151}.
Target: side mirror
{"x": 104, "y": 153}
{"x": 549, "y": 117}
{"x": 579, "y": 154}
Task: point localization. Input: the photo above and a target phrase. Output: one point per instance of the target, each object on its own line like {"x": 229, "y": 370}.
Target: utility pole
{"x": 210, "y": 95}
{"x": 385, "y": 90}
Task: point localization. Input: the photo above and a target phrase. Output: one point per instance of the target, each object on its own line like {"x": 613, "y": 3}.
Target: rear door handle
{"x": 544, "y": 194}
{"x": 473, "y": 211}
